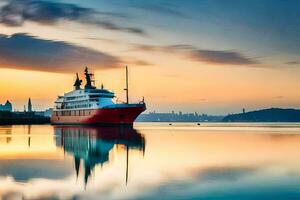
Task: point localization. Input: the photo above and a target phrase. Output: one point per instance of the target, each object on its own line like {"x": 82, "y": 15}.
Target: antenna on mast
{"x": 89, "y": 79}
{"x": 77, "y": 82}
{"x": 127, "y": 96}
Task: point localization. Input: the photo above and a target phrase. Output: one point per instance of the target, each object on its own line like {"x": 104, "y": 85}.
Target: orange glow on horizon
{"x": 171, "y": 82}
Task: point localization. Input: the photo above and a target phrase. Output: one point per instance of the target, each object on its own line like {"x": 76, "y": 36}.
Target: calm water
{"x": 152, "y": 161}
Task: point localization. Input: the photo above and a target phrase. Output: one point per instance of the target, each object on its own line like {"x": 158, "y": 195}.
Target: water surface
{"x": 151, "y": 161}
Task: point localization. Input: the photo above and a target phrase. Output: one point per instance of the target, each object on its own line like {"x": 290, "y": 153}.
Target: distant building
{"x": 29, "y": 105}
{"x": 46, "y": 113}
{"x": 177, "y": 117}
{"x": 6, "y": 107}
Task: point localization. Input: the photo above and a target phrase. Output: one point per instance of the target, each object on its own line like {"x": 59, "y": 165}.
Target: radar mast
{"x": 77, "y": 83}
{"x": 89, "y": 79}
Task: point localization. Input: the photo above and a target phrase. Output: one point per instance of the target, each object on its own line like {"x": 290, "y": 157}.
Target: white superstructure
{"x": 85, "y": 99}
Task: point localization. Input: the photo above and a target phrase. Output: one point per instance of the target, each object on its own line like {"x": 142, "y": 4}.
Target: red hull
{"x": 101, "y": 116}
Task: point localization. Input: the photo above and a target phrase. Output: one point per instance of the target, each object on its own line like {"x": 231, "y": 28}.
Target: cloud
{"x": 106, "y": 40}
{"x": 24, "y": 170}
{"x": 292, "y": 63}
{"x": 220, "y": 57}
{"x": 226, "y": 173}
{"x": 23, "y": 51}
{"x": 136, "y": 62}
{"x": 161, "y": 8}
{"x": 278, "y": 97}
{"x": 214, "y": 182}
{"x": 17, "y": 12}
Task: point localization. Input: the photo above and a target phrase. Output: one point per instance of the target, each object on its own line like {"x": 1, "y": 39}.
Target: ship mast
{"x": 89, "y": 79}
{"x": 77, "y": 83}
{"x": 127, "y": 96}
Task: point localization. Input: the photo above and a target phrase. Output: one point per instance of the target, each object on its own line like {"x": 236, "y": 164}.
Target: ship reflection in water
{"x": 151, "y": 161}
{"x": 90, "y": 146}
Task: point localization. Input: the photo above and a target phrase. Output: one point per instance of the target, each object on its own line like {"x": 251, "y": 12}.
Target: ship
{"x": 94, "y": 106}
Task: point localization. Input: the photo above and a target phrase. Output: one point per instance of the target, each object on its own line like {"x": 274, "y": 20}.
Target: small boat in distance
{"x": 94, "y": 106}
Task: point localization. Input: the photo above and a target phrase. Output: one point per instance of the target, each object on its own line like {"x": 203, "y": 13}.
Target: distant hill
{"x": 266, "y": 115}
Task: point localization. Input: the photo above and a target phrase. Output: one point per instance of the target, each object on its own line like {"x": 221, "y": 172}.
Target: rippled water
{"x": 152, "y": 161}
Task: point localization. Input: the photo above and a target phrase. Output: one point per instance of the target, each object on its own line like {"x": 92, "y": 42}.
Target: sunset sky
{"x": 208, "y": 56}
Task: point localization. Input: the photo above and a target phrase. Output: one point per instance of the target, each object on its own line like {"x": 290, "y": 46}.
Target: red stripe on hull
{"x": 121, "y": 115}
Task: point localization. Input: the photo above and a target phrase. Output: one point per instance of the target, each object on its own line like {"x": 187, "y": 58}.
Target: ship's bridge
{"x": 85, "y": 99}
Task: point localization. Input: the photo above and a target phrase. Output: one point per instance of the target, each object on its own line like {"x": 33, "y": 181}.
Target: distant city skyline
{"x": 205, "y": 56}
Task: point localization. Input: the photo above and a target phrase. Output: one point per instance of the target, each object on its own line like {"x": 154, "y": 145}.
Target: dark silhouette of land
{"x": 29, "y": 116}
{"x": 266, "y": 115}
{"x": 22, "y": 118}
{"x": 178, "y": 117}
